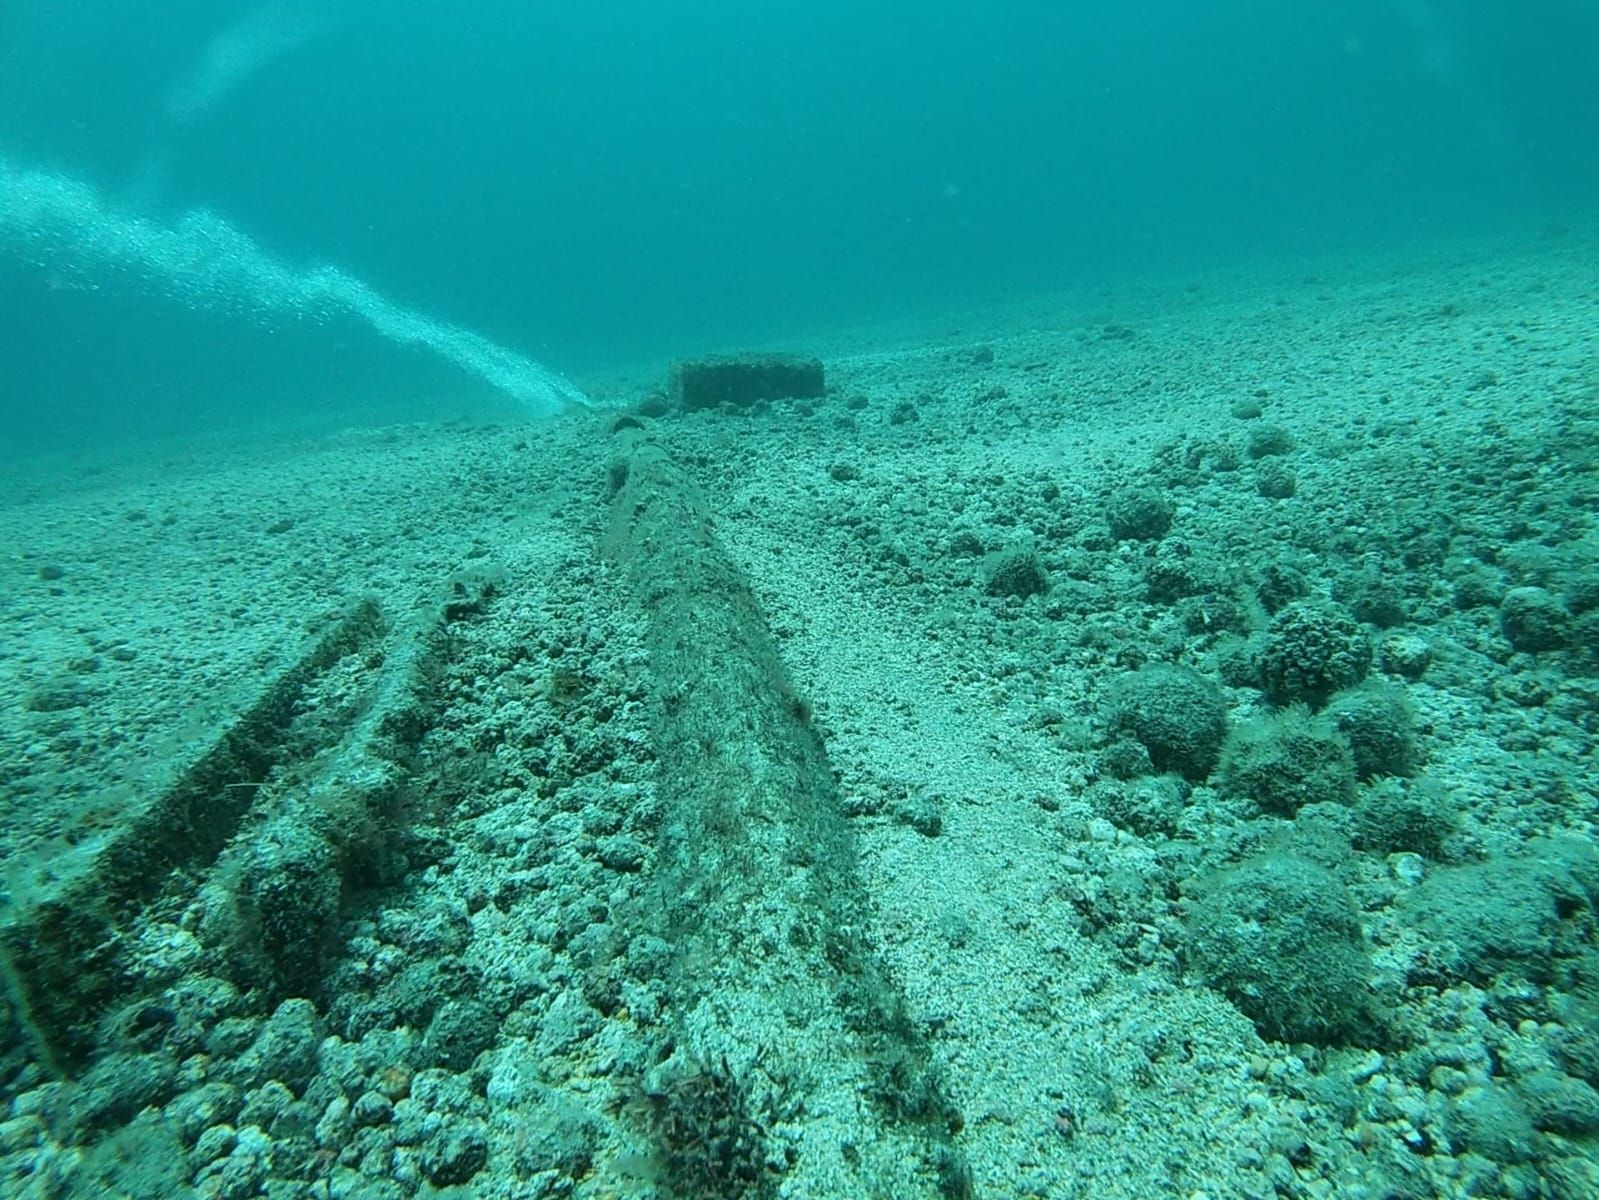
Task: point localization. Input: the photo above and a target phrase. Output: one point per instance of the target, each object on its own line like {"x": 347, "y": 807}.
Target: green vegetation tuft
{"x": 1286, "y": 760}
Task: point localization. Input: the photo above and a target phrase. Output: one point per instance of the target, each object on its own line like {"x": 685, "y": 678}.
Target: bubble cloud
{"x": 66, "y": 227}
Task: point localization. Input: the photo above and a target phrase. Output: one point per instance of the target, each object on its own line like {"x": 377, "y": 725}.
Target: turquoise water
{"x": 589, "y": 185}
{"x": 754, "y": 602}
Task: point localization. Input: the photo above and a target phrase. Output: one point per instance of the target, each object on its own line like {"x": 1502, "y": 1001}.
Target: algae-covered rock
{"x": 1176, "y": 714}
{"x": 1280, "y": 937}
{"x": 1287, "y": 760}
{"x": 1531, "y": 913}
{"x": 1312, "y": 650}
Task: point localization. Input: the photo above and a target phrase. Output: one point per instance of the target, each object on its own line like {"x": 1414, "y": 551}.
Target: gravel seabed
{"x": 1405, "y": 443}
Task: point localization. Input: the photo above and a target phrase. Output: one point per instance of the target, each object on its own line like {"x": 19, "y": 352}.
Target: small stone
{"x": 411, "y": 1122}
{"x": 455, "y": 1154}
{"x": 621, "y": 853}
{"x": 1017, "y": 571}
{"x": 1276, "y": 481}
{"x": 1409, "y": 869}
{"x": 21, "y": 1133}
{"x": 1289, "y": 1141}
{"x": 336, "y": 1125}
{"x": 198, "y": 1109}
{"x": 1405, "y": 655}
{"x": 243, "y": 1173}
{"x": 37, "y": 1101}
{"x": 1561, "y": 1104}
{"x": 1140, "y": 514}
{"x": 375, "y": 1163}
{"x": 372, "y": 1108}
{"x": 924, "y": 814}
{"x": 286, "y": 1047}
{"x": 215, "y": 1143}
{"x": 394, "y": 1082}
{"x": 1492, "y": 1121}
{"x": 1533, "y": 619}
{"x": 266, "y": 1105}
{"x": 1367, "y": 1067}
